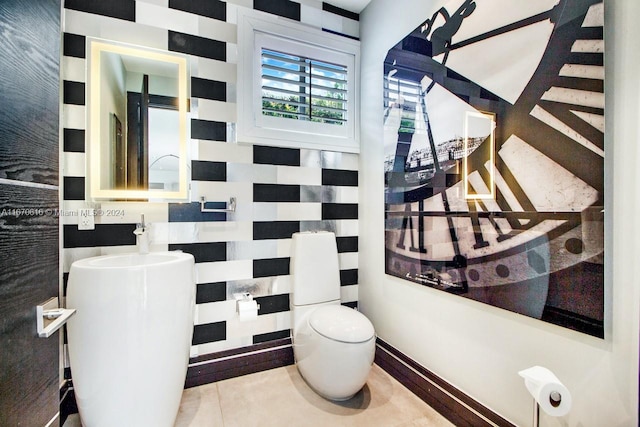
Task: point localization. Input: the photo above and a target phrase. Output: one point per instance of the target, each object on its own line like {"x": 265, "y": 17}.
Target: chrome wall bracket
{"x": 50, "y": 317}
{"x": 231, "y": 206}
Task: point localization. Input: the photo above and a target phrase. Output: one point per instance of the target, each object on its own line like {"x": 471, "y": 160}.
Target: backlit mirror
{"x": 138, "y": 105}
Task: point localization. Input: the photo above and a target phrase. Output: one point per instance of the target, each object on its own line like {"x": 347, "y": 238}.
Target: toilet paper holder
{"x": 245, "y": 304}
{"x": 243, "y": 296}
{"x": 555, "y": 399}
{"x": 547, "y": 392}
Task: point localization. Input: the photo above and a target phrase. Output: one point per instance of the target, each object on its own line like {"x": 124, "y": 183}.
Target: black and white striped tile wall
{"x": 279, "y": 191}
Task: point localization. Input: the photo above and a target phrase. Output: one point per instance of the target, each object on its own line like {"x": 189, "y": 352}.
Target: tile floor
{"x": 280, "y": 397}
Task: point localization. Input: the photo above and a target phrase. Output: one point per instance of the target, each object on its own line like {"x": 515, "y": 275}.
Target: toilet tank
{"x": 314, "y": 269}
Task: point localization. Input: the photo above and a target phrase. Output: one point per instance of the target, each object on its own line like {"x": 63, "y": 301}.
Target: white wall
{"x": 480, "y": 348}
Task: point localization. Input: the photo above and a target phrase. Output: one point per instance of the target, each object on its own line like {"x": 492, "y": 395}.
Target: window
{"x": 296, "y": 85}
{"x": 301, "y": 88}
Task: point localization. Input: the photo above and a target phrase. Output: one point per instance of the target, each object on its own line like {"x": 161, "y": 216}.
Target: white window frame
{"x": 258, "y": 30}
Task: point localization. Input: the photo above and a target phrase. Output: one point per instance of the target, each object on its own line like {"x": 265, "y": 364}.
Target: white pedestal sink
{"x": 129, "y": 340}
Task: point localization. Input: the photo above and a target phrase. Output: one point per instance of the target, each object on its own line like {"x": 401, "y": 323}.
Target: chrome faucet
{"x": 142, "y": 236}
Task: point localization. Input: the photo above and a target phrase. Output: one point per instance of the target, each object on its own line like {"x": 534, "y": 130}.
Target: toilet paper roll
{"x": 547, "y": 390}
{"x": 247, "y": 309}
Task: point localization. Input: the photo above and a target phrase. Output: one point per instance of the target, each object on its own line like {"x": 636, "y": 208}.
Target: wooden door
{"x": 29, "y": 135}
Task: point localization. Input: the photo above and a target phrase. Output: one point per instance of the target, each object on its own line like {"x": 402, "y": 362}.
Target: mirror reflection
{"x": 138, "y": 106}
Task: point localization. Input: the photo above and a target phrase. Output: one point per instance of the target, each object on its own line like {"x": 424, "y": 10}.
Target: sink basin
{"x": 130, "y": 338}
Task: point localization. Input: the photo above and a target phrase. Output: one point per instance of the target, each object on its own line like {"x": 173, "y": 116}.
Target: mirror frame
{"x": 96, "y": 47}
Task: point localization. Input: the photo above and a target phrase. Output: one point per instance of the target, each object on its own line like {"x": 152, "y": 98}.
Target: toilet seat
{"x": 341, "y": 324}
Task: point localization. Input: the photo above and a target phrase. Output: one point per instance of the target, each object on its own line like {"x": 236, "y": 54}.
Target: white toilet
{"x": 333, "y": 345}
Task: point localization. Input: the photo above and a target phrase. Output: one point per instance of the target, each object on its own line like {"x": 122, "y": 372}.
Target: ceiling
{"x": 350, "y": 5}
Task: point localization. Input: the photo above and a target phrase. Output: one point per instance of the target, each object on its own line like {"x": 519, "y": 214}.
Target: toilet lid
{"x": 342, "y": 324}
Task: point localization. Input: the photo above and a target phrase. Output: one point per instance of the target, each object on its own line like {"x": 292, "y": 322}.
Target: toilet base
{"x": 332, "y": 399}
{"x": 334, "y": 370}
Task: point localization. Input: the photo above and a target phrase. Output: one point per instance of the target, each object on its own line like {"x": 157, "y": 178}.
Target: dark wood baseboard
{"x": 242, "y": 361}
{"x": 457, "y": 407}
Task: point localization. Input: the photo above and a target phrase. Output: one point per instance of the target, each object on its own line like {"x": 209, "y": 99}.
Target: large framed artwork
{"x": 494, "y": 157}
